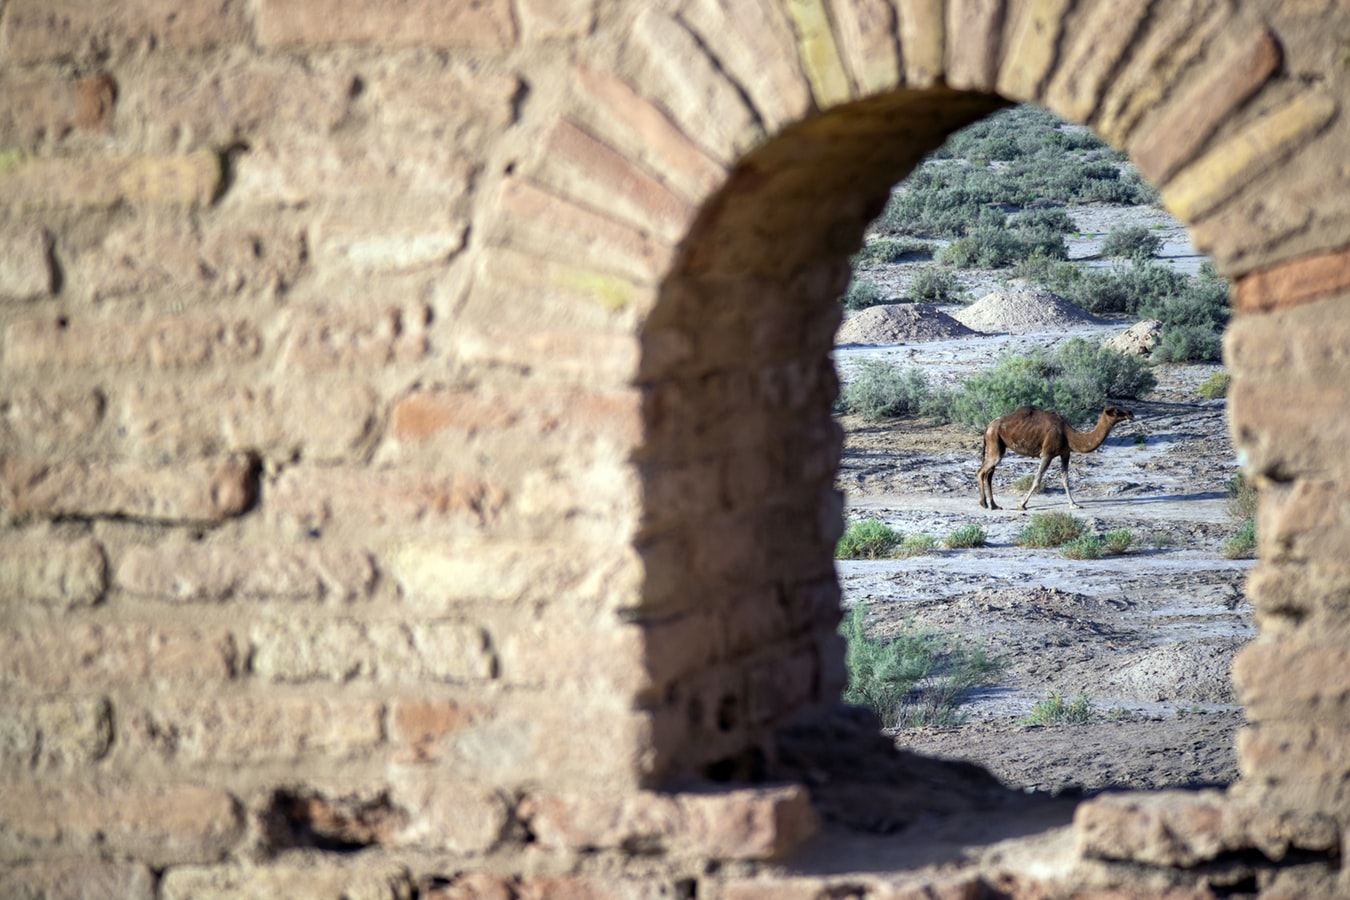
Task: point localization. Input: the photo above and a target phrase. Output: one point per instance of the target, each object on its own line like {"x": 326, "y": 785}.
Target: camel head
{"x": 1115, "y": 414}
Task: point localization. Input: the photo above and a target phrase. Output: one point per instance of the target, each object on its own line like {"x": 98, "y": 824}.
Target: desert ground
{"x": 1148, "y": 636}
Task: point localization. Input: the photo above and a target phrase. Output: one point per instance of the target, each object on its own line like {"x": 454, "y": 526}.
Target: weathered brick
{"x": 26, "y": 270}
{"x": 59, "y": 343}
{"x": 592, "y": 655}
{"x": 1168, "y": 828}
{"x": 779, "y": 686}
{"x": 96, "y": 656}
{"x": 209, "y": 490}
{"x": 645, "y": 133}
{"x": 563, "y": 352}
{"x": 923, "y": 39}
{"x": 50, "y": 572}
{"x": 1294, "y": 283}
{"x": 200, "y": 572}
{"x": 867, "y": 31}
{"x": 1177, "y": 33}
{"x": 819, "y": 53}
{"x": 313, "y": 498}
{"x": 239, "y": 730}
{"x": 486, "y": 886}
{"x": 579, "y": 166}
{"x": 317, "y": 422}
{"x": 542, "y": 223}
{"x": 44, "y": 420}
{"x": 160, "y": 826}
{"x": 432, "y": 575}
{"x": 1263, "y": 414}
{"x": 750, "y": 823}
{"x": 577, "y": 292}
{"x": 389, "y": 23}
{"x": 1294, "y": 680}
{"x": 1303, "y": 749}
{"x": 447, "y": 817}
{"x": 974, "y": 32}
{"x": 32, "y": 109}
{"x": 1170, "y": 139}
{"x": 36, "y": 30}
{"x": 372, "y": 241}
{"x": 66, "y": 733}
{"x": 361, "y": 338}
{"x": 687, "y": 83}
{"x": 206, "y": 106}
{"x": 544, "y": 20}
{"x": 440, "y": 102}
{"x": 1094, "y": 50}
{"x": 307, "y": 170}
{"x": 330, "y": 878}
{"x": 224, "y": 259}
{"x": 343, "y": 650}
{"x": 1030, "y": 48}
{"x": 186, "y": 180}
{"x": 425, "y": 730}
{"x": 1308, "y": 522}
{"x": 86, "y": 878}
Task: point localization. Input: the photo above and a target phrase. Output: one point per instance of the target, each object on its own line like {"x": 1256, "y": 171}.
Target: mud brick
{"x": 487, "y": 25}
{"x": 59, "y": 343}
{"x": 1030, "y": 48}
{"x": 95, "y": 656}
{"x": 419, "y": 236}
{"x": 314, "y": 498}
{"x": 57, "y": 880}
{"x": 866, "y": 31}
{"x": 44, "y": 420}
{"x": 1294, "y": 283}
{"x": 447, "y": 817}
{"x": 344, "y": 650}
{"x": 52, "y": 573}
{"x": 205, "y": 491}
{"x": 215, "y": 573}
{"x": 1093, "y": 53}
{"x": 423, "y": 730}
{"x": 974, "y": 35}
{"x": 362, "y": 878}
{"x": 1294, "y": 680}
{"x": 1294, "y": 750}
{"x": 331, "y": 337}
{"x": 160, "y": 826}
{"x": 176, "y": 181}
{"x": 824, "y": 68}
{"x": 65, "y": 733}
{"x": 544, "y": 20}
{"x": 922, "y": 40}
{"x": 32, "y": 109}
{"x": 440, "y": 102}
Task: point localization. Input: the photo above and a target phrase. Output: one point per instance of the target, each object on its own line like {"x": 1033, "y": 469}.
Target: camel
{"x": 1044, "y": 433}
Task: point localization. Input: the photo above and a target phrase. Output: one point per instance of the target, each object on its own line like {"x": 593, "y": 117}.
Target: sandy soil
{"x": 1149, "y": 636}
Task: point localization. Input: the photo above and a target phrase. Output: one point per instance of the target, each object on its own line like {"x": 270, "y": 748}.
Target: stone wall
{"x": 415, "y": 453}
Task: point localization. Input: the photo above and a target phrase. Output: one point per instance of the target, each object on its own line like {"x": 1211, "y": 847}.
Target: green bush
{"x": 1215, "y": 386}
{"x": 881, "y": 389}
{"x": 1118, "y": 541}
{"x": 1053, "y": 221}
{"x": 965, "y": 537}
{"x": 917, "y": 677}
{"x": 1085, "y": 546}
{"x": 1076, "y": 380}
{"x": 1055, "y": 711}
{"x": 861, "y": 295}
{"x": 1133, "y": 242}
{"x": 1052, "y": 529}
{"x": 917, "y": 545}
{"x": 1243, "y": 544}
{"x": 888, "y": 250}
{"x": 1188, "y": 343}
{"x": 933, "y": 285}
{"x": 867, "y": 539}
{"x": 1242, "y": 497}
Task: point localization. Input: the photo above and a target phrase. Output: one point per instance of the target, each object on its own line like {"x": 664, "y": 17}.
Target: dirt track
{"x": 1149, "y": 636}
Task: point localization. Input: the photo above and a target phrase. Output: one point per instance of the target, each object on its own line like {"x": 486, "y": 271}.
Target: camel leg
{"x": 1036, "y": 483}
{"x": 1064, "y": 474}
{"x": 986, "y": 477}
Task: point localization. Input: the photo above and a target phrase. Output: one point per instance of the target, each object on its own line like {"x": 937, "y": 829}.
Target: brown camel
{"x": 1044, "y": 433}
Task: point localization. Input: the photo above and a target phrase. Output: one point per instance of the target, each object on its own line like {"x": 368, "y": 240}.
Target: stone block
{"x": 1292, "y": 680}
{"x": 1030, "y": 48}
{"x": 200, "y": 491}
{"x": 66, "y": 733}
{"x": 46, "y": 659}
{"x": 161, "y": 826}
{"x": 306, "y": 650}
{"x": 1294, "y": 283}
{"x": 45, "y": 419}
{"x": 77, "y": 880}
{"x": 36, "y": 108}
{"x": 866, "y": 31}
{"x": 1294, "y": 750}
{"x": 1168, "y": 828}
{"x": 52, "y": 573}
{"x": 923, "y": 41}
{"x": 1094, "y": 50}
{"x": 312, "y": 499}
{"x": 443, "y": 816}
{"x": 215, "y": 573}
{"x": 548, "y": 20}
{"x": 319, "y": 338}
{"x": 974, "y": 35}
{"x": 819, "y": 53}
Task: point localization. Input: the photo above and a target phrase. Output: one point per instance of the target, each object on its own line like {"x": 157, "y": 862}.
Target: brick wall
{"x": 414, "y": 422}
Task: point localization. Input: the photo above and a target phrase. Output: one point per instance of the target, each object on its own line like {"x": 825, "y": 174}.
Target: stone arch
{"x": 738, "y": 151}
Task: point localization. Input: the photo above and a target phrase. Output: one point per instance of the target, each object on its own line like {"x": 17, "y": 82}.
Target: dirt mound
{"x": 1022, "y": 309}
{"x": 1193, "y": 672}
{"x": 900, "y": 324}
{"x": 1139, "y": 340}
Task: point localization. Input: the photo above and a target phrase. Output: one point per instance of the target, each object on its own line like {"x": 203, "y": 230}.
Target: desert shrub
{"x": 1085, "y": 546}
{"x": 1047, "y": 221}
{"x": 861, "y": 294}
{"x": 1215, "y": 386}
{"x": 867, "y": 539}
{"x": 965, "y": 537}
{"x": 880, "y": 389}
{"x": 1243, "y": 544}
{"x": 889, "y": 250}
{"x": 917, "y": 545}
{"x": 915, "y": 678}
{"x": 933, "y": 285}
{"x": 996, "y": 246}
{"x": 1118, "y": 541}
{"x": 1132, "y": 242}
{"x": 1242, "y": 497}
{"x": 1075, "y": 380}
{"x": 1189, "y": 343}
{"x": 1055, "y": 711}
{"x": 1052, "y": 529}
{"x": 1023, "y": 484}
